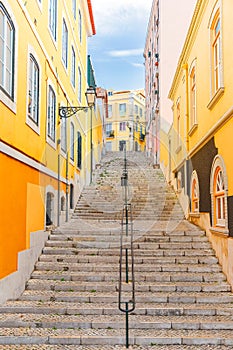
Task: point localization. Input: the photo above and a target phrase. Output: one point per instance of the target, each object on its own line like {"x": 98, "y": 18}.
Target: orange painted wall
{"x": 21, "y": 209}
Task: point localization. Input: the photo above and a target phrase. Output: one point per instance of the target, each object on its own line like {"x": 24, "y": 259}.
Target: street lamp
{"x": 90, "y": 95}
{"x": 67, "y": 112}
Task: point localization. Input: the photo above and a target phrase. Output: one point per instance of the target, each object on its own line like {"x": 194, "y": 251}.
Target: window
{"x": 136, "y": 109}
{"x": 51, "y": 114}
{"x": 53, "y": 18}
{"x": 71, "y": 141}
{"x": 122, "y": 126}
{"x": 79, "y": 84}
{"x": 63, "y": 134}
{"x": 73, "y": 67}
{"x": 80, "y": 25}
{"x": 33, "y": 91}
{"x": 193, "y": 119}
{"x": 109, "y": 111}
{"x": 79, "y": 150}
{"x": 194, "y": 193}
{"x": 74, "y": 8}
{"x": 140, "y": 112}
{"x": 108, "y": 129}
{"x": 178, "y": 124}
{"x": 64, "y": 43}
{"x": 216, "y": 64}
{"x": 219, "y": 193}
{"x": 7, "y": 52}
{"x": 122, "y": 109}
{"x": 219, "y": 201}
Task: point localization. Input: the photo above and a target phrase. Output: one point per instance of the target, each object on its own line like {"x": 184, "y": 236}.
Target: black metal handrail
{"x": 125, "y": 304}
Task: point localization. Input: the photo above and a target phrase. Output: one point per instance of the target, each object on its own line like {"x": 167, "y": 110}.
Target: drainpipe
{"x": 185, "y": 67}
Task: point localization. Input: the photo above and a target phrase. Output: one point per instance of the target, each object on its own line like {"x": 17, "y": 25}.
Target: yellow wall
{"x": 23, "y": 187}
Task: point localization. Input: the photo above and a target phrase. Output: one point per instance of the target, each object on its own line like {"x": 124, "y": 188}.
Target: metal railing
{"x": 126, "y": 301}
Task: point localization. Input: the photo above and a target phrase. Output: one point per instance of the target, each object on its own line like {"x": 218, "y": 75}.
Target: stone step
{"x": 201, "y": 322}
{"x": 119, "y": 347}
{"x": 153, "y": 309}
{"x": 174, "y": 246}
{"x": 137, "y": 260}
{"x": 115, "y": 337}
{"x": 73, "y": 286}
{"x": 90, "y": 251}
{"x": 157, "y": 297}
{"x": 149, "y": 277}
{"x": 139, "y": 268}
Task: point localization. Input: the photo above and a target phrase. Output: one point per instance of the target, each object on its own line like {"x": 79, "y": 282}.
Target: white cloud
{"x": 138, "y": 65}
{"x": 112, "y": 16}
{"x": 125, "y": 53}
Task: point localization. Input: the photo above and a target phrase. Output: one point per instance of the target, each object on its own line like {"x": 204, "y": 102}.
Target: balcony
{"x": 142, "y": 137}
{"x": 110, "y": 134}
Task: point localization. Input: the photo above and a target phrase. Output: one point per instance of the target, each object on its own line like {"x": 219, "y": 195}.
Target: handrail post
{"x": 126, "y": 249}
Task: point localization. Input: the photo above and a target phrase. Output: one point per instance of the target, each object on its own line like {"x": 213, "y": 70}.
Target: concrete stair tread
{"x": 119, "y": 347}
{"x": 183, "y": 300}
{"x": 149, "y": 308}
{"x": 195, "y": 322}
{"x": 138, "y": 267}
{"x": 112, "y": 337}
{"x": 110, "y": 259}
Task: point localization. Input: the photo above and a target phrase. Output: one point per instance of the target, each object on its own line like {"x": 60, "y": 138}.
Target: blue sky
{"x": 117, "y": 48}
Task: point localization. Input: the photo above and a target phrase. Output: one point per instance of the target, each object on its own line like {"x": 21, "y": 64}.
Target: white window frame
{"x": 8, "y": 50}
{"x": 63, "y": 129}
{"x": 193, "y": 96}
{"x": 122, "y": 126}
{"x": 122, "y": 109}
{"x": 219, "y": 222}
{"x": 64, "y": 43}
{"x": 51, "y": 119}
{"x": 216, "y": 63}
{"x": 109, "y": 111}
{"x": 52, "y": 12}
{"x": 30, "y": 121}
{"x": 72, "y": 142}
{"x": 80, "y": 25}
{"x": 6, "y": 99}
{"x": 74, "y": 8}
{"x": 79, "y": 84}
{"x": 73, "y": 67}
{"x": 195, "y": 197}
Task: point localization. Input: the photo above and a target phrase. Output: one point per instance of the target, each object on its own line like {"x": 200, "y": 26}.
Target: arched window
{"x": 49, "y": 208}
{"x": 219, "y": 194}
{"x": 219, "y": 198}
{"x": 63, "y": 203}
{"x": 194, "y": 193}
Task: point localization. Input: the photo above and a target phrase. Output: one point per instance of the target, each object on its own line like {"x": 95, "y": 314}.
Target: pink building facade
{"x": 167, "y": 28}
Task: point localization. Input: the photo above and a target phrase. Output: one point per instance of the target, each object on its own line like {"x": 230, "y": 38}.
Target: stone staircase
{"x": 183, "y": 300}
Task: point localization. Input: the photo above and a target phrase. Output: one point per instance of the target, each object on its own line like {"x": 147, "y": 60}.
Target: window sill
{"x": 193, "y": 129}
{"x": 215, "y": 98}
{"x": 194, "y": 215}
{"x": 7, "y": 101}
{"x": 33, "y": 126}
{"x": 219, "y": 231}
{"x": 178, "y": 149}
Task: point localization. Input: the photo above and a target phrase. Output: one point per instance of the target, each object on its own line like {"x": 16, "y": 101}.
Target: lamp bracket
{"x": 67, "y": 112}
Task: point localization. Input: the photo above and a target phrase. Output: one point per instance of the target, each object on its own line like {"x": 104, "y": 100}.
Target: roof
{"x": 91, "y": 17}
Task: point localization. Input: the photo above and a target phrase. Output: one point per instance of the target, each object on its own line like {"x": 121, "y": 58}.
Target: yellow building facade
{"x": 198, "y": 161}
{"x": 125, "y": 125}
{"x": 45, "y": 160}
